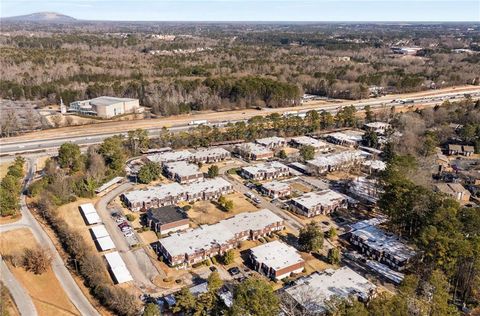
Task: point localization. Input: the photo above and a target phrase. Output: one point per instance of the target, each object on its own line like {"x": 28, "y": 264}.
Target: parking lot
{"x": 125, "y": 227}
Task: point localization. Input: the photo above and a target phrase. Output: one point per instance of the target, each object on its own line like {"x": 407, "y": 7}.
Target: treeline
{"x": 70, "y": 175}
{"x": 258, "y": 127}
{"x": 116, "y": 299}
{"x": 11, "y": 187}
{"x": 447, "y": 235}
{"x": 272, "y": 67}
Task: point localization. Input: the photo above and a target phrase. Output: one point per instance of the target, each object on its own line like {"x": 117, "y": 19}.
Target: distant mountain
{"x": 44, "y": 17}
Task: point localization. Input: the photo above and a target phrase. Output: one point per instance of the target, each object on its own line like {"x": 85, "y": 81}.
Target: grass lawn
{"x": 4, "y": 168}
{"x": 7, "y": 305}
{"x": 206, "y": 212}
{"x": 45, "y": 290}
{"x": 71, "y": 214}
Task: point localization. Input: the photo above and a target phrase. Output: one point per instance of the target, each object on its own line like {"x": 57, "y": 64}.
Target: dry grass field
{"x": 45, "y": 290}
{"x": 206, "y": 212}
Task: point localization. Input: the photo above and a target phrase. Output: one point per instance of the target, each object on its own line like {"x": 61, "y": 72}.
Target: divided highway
{"x": 96, "y": 133}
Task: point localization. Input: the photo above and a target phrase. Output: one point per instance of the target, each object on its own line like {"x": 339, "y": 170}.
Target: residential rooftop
{"x": 375, "y": 165}
{"x": 270, "y": 141}
{"x": 206, "y": 236}
{"x": 205, "y": 153}
{"x": 384, "y": 242}
{"x": 324, "y": 198}
{"x": 450, "y": 188}
{"x": 276, "y": 255}
{"x": 253, "y": 148}
{"x": 206, "y": 186}
{"x": 167, "y": 214}
{"x": 337, "y": 158}
{"x": 309, "y": 141}
{"x": 157, "y": 192}
{"x": 314, "y": 291}
{"x": 182, "y": 168}
{"x": 276, "y": 186}
{"x": 378, "y": 125}
{"x": 267, "y": 167}
{"x": 170, "y": 156}
{"x": 347, "y": 136}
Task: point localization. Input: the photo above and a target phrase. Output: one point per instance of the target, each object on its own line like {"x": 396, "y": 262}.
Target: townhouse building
{"x": 206, "y": 241}
{"x": 182, "y": 171}
{"x": 276, "y": 260}
{"x": 265, "y": 171}
{"x": 316, "y": 203}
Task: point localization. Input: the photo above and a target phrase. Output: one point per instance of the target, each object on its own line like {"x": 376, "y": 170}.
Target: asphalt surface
{"x": 96, "y": 133}
{"x": 22, "y": 300}
{"x": 135, "y": 262}
{"x": 63, "y": 275}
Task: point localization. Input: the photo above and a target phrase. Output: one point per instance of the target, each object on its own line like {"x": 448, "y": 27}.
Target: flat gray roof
{"x": 276, "y": 255}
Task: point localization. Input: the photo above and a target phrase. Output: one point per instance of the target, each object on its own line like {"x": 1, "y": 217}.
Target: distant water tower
{"x": 63, "y": 108}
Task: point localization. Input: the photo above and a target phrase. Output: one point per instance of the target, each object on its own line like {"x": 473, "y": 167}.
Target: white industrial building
{"x": 105, "y": 107}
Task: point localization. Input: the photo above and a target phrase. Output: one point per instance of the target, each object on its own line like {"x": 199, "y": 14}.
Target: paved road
{"x": 63, "y": 275}
{"x": 50, "y": 139}
{"x": 20, "y": 296}
{"x": 130, "y": 259}
{"x": 290, "y": 221}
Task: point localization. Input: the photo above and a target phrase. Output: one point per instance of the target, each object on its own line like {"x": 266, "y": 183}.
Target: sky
{"x": 252, "y": 10}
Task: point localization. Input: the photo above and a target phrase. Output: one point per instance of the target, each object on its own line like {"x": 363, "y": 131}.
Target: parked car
{"x": 123, "y": 224}
{"x": 128, "y": 234}
{"x": 234, "y": 271}
{"x": 126, "y": 229}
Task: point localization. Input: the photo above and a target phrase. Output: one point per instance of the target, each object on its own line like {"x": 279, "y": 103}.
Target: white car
{"x": 128, "y": 234}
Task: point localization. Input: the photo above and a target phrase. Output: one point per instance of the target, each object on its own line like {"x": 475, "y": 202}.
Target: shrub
{"x": 130, "y": 217}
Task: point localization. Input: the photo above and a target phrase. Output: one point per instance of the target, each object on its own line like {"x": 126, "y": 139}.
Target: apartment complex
{"x": 170, "y": 156}
{"x": 316, "y": 203}
{"x": 338, "y": 161}
{"x": 460, "y": 150}
{"x": 378, "y": 127}
{"x": 313, "y": 293}
{"x": 455, "y": 190}
{"x": 167, "y": 219}
{"x": 172, "y": 193}
{"x": 182, "y": 171}
{"x": 210, "y": 240}
{"x": 276, "y": 189}
{"x": 265, "y": 171}
{"x": 301, "y": 141}
{"x": 276, "y": 260}
{"x": 349, "y": 138}
{"x": 272, "y": 142}
{"x": 252, "y": 151}
{"x": 381, "y": 246}
{"x": 210, "y": 155}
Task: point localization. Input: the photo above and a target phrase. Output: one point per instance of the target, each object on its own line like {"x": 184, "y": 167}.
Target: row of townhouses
{"x": 190, "y": 247}
{"x": 172, "y": 193}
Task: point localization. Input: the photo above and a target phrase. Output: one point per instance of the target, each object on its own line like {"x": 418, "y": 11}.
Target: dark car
{"x": 124, "y": 224}
{"x": 326, "y": 223}
{"x": 213, "y": 268}
{"x": 234, "y": 271}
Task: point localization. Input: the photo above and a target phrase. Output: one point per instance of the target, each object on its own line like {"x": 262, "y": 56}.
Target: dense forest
{"x": 177, "y": 68}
